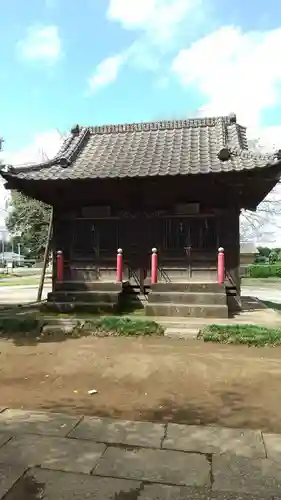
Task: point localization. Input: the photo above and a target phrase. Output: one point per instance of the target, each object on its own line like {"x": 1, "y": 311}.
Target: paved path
{"x": 62, "y": 457}
{"x": 264, "y": 293}
{"x": 21, "y": 294}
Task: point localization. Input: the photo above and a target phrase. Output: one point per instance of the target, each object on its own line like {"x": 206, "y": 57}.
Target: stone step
{"x": 181, "y": 333}
{"x": 89, "y": 307}
{"x": 190, "y": 286}
{"x": 83, "y": 286}
{"x": 104, "y": 296}
{"x": 187, "y": 310}
{"x": 200, "y": 298}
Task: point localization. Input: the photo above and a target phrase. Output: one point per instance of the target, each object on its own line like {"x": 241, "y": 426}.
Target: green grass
{"x": 127, "y": 327}
{"x": 261, "y": 281}
{"x": 31, "y": 325}
{"x": 20, "y": 281}
{"x": 23, "y": 325}
{"x": 272, "y": 305}
{"x": 250, "y": 335}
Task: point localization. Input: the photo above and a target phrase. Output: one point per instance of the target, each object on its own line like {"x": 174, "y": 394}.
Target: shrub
{"x": 264, "y": 271}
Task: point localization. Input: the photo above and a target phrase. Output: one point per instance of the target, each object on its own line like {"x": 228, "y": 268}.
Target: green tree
{"x": 264, "y": 251}
{"x": 29, "y": 220}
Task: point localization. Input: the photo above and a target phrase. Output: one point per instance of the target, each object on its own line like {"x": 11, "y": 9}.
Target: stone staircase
{"x": 92, "y": 297}
{"x": 193, "y": 299}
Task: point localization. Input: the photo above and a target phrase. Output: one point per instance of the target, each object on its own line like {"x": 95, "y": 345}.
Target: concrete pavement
{"x": 263, "y": 293}
{"x": 21, "y": 294}
{"x": 61, "y": 457}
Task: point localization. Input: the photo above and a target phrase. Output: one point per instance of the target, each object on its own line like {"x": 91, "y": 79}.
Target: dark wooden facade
{"x": 185, "y": 219}
{"x": 177, "y": 186}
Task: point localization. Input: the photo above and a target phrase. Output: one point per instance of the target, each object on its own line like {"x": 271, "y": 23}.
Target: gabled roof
{"x": 162, "y": 148}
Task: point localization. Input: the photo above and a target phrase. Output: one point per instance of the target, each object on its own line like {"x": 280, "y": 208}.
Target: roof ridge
{"x": 66, "y": 154}
{"x": 248, "y": 153}
{"x": 163, "y": 124}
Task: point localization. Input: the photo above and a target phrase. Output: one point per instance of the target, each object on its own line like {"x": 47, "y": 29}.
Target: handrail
{"x": 230, "y": 278}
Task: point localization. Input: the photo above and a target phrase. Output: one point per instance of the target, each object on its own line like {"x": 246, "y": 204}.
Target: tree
{"x": 29, "y": 220}
{"x": 258, "y": 225}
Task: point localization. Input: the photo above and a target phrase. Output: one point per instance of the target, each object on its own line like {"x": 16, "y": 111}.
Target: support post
{"x": 119, "y": 265}
{"x": 46, "y": 257}
{"x": 221, "y": 266}
{"x": 154, "y": 266}
{"x": 59, "y": 265}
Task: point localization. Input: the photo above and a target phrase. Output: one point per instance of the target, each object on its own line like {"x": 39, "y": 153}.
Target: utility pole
{"x": 19, "y": 255}
{"x": 3, "y": 248}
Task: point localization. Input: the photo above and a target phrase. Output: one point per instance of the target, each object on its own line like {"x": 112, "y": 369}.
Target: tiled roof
{"x": 179, "y": 147}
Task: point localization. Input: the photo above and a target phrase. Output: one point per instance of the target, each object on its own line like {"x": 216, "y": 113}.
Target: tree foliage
{"x": 259, "y": 225}
{"x": 29, "y": 219}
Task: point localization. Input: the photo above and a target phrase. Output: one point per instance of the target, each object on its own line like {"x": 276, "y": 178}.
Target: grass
{"x": 272, "y": 305}
{"x": 23, "y": 325}
{"x": 250, "y": 335}
{"x": 31, "y": 325}
{"x": 20, "y": 281}
{"x": 259, "y": 281}
{"x": 127, "y": 327}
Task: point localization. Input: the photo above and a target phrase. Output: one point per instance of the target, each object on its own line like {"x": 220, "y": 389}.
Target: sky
{"x": 114, "y": 61}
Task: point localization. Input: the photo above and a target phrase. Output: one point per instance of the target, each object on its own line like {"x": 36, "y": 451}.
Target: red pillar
{"x": 154, "y": 266}
{"x": 221, "y": 267}
{"x": 59, "y": 265}
{"x": 119, "y": 265}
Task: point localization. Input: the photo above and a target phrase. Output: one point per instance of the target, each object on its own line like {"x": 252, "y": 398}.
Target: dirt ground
{"x": 146, "y": 379}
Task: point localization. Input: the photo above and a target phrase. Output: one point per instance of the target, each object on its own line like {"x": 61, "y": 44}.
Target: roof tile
{"x": 177, "y": 147}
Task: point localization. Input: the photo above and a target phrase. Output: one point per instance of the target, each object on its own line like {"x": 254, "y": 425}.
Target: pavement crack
{"x": 209, "y": 458}
{"x": 164, "y": 435}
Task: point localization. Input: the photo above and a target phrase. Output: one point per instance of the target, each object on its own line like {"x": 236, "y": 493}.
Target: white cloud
{"x": 131, "y": 15}
{"x": 42, "y": 147}
{"x": 235, "y": 71}
{"x": 156, "y": 23}
{"x": 42, "y": 43}
{"x": 106, "y": 72}
{"x": 159, "y": 19}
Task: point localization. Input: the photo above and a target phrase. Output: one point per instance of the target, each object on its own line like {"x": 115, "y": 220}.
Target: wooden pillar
{"x": 119, "y": 265}
{"x": 154, "y": 266}
{"x": 229, "y": 239}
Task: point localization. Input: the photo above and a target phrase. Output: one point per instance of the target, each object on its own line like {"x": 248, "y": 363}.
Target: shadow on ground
{"x": 26, "y": 488}
{"x": 252, "y": 303}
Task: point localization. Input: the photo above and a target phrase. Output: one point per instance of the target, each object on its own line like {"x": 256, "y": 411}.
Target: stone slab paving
{"x": 59, "y": 457}
{"x": 52, "y": 453}
{"x": 272, "y": 443}
{"x": 159, "y": 466}
{"x": 241, "y": 475}
{"x": 195, "y": 438}
{"x": 9, "y": 474}
{"x": 4, "y": 438}
{"x": 51, "y": 485}
{"x": 21, "y": 421}
{"x": 124, "y": 432}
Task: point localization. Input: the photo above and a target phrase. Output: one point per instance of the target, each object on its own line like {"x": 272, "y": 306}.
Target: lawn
{"x": 273, "y": 305}
{"x": 18, "y": 281}
{"x": 146, "y": 378}
{"x": 251, "y": 335}
{"x": 261, "y": 282}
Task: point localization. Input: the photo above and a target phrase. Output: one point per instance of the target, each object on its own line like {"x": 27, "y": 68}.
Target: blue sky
{"x": 106, "y": 61}
{"x": 43, "y": 91}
